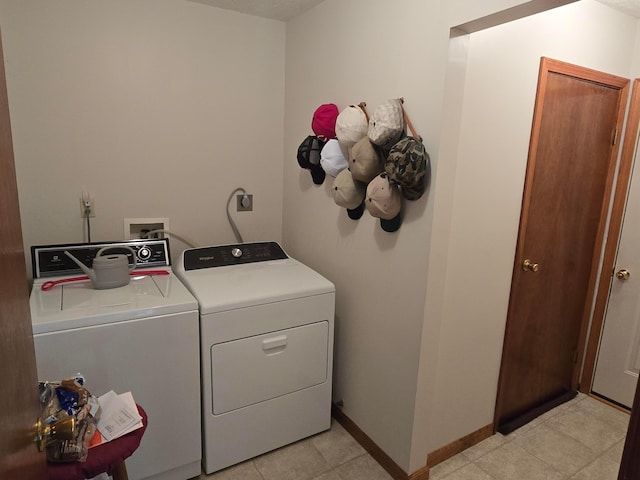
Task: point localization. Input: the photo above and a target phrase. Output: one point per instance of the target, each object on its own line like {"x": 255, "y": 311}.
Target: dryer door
{"x": 258, "y": 368}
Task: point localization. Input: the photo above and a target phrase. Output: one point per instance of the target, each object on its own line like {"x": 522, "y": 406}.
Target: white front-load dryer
{"x": 266, "y": 336}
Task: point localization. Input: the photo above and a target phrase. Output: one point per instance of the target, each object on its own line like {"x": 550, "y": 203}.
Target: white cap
{"x": 332, "y": 159}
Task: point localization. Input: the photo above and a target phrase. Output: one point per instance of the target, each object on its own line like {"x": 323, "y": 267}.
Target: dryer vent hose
{"x": 236, "y": 232}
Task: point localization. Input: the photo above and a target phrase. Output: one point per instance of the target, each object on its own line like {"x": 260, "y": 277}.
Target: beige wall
{"x": 417, "y": 356}
{"x": 347, "y": 52}
{"x": 499, "y": 94}
{"x": 158, "y": 108}
{"x": 635, "y": 70}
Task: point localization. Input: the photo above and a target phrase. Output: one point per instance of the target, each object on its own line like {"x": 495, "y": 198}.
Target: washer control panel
{"x": 227, "y": 255}
{"x": 50, "y": 260}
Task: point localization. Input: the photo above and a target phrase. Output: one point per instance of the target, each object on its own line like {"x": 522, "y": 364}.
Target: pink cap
{"x": 323, "y": 123}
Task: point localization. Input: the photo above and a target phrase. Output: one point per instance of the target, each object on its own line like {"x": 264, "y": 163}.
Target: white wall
{"x": 158, "y": 108}
{"x": 461, "y": 233}
{"x": 161, "y": 107}
{"x": 499, "y": 94}
{"x": 635, "y": 69}
{"x": 347, "y": 52}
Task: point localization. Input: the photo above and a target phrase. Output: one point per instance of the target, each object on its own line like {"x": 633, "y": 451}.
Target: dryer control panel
{"x": 50, "y": 260}
{"x": 227, "y": 255}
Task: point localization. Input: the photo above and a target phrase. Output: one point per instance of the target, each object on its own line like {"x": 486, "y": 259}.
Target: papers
{"x": 119, "y": 416}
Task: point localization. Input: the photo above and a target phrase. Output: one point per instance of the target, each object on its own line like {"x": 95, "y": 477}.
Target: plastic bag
{"x": 60, "y": 401}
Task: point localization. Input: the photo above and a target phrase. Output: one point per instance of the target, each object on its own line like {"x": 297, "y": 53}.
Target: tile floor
{"x": 331, "y": 455}
{"x": 580, "y": 440}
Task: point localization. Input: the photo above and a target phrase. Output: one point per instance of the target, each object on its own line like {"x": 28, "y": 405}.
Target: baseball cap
{"x": 323, "y": 122}
{"x": 309, "y": 158}
{"x": 408, "y": 165}
{"x": 332, "y": 159}
{"x": 349, "y": 193}
{"x": 365, "y": 161}
{"x": 386, "y": 125}
{"x": 384, "y": 201}
{"x": 351, "y": 125}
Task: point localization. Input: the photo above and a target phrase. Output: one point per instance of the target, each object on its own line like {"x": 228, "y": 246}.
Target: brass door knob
{"x": 64, "y": 429}
{"x": 529, "y": 266}
{"x": 623, "y": 274}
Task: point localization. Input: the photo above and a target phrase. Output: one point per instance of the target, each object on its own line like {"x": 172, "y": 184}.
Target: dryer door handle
{"x": 274, "y": 343}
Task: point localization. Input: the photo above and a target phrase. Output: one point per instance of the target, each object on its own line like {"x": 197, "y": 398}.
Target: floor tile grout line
{"x": 549, "y": 422}
{"x": 257, "y": 469}
{"x": 564, "y": 475}
{"x": 456, "y": 469}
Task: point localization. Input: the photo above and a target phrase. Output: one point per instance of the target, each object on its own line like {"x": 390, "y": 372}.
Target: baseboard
{"x": 611, "y": 403}
{"x": 422, "y": 474}
{"x": 457, "y": 446}
{"x": 375, "y": 451}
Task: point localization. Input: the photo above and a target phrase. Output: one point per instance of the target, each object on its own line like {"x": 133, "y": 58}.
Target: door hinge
{"x": 615, "y": 137}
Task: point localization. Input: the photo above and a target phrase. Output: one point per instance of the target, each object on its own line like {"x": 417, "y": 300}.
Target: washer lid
{"x": 76, "y": 305}
{"x": 230, "y": 287}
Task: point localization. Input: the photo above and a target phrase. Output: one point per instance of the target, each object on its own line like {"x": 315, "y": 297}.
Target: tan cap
{"x": 349, "y": 193}
{"x": 365, "y": 161}
{"x": 351, "y": 126}
{"x": 384, "y": 201}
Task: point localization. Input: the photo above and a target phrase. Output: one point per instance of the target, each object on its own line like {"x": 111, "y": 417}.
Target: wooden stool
{"x": 106, "y": 458}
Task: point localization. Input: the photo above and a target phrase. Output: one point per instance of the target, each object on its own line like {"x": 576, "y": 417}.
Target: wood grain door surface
{"x": 567, "y": 188}
{"x": 19, "y": 406}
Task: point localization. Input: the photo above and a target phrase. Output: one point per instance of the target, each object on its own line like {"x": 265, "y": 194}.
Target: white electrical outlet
{"x": 87, "y": 206}
{"x": 139, "y": 227}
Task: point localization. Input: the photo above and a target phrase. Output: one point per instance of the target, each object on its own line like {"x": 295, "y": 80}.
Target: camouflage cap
{"x": 408, "y": 166}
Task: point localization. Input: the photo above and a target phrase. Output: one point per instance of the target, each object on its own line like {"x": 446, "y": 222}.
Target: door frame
{"x": 630, "y": 463}
{"x": 548, "y": 66}
{"x": 612, "y": 239}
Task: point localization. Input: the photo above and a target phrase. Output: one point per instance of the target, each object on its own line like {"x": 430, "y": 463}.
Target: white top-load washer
{"x": 266, "y": 332}
{"x": 142, "y": 337}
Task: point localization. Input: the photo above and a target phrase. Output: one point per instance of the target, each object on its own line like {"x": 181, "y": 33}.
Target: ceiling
{"x": 630, "y": 7}
{"x": 275, "y": 9}
{"x": 287, "y": 9}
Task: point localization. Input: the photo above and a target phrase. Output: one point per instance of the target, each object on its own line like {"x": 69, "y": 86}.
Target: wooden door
{"x": 568, "y": 183}
{"x": 19, "y": 406}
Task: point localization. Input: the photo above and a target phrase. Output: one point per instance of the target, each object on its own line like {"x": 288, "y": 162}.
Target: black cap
{"x": 356, "y": 213}
{"x": 309, "y": 158}
{"x": 391, "y": 225}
